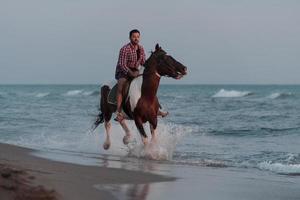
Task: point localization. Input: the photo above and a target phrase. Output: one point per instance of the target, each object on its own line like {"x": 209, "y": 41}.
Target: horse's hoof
{"x": 153, "y": 140}
{"x": 106, "y": 145}
{"x": 145, "y": 141}
{"x": 126, "y": 139}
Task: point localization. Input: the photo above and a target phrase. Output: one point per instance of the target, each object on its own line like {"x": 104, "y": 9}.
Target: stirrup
{"x": 119, "y": 115}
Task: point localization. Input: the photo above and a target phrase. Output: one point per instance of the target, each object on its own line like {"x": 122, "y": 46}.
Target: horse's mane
{"x": 157, "y": 54}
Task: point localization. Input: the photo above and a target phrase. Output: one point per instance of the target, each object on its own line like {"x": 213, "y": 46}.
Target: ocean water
{"x": 253, "y": 127}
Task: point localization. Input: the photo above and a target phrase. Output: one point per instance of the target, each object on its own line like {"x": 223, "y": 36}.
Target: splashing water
{"x": 260, "y": 129}
{"x": 168, "y": 136}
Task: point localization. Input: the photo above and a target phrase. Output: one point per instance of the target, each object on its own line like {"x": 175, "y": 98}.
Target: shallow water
{"x": 221, "y": 126}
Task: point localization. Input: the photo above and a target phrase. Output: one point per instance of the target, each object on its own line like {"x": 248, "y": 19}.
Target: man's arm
{"x": 123, "y": 64}
{"x": 122, "y": 61}
{"x": 142, "y": 59}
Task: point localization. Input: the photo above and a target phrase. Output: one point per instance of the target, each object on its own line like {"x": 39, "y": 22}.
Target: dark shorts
{"x": 121, "y": 74}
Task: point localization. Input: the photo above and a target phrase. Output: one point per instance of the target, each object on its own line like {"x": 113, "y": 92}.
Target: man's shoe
{"x": 163, "y": 114}
{"x": 119, "y": 117}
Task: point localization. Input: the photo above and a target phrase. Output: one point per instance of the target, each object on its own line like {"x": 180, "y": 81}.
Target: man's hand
{"x": 138, "y": 52}
{"x": 133, "y": 74}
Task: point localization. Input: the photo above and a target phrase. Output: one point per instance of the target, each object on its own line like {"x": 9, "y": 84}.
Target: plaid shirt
{"x": 129, "y": 58}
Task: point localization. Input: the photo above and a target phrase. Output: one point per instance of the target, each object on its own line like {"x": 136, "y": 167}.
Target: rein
{"x": 157, "y": 74}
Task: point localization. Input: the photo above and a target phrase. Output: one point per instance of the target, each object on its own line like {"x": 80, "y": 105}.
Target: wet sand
{"x": 24, "y": 176}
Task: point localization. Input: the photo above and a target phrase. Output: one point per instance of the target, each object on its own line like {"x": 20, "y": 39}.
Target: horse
{"x": 141, "y": 103}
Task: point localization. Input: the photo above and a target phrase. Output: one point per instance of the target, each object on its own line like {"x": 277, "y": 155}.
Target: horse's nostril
{"x": 185, "y": 69}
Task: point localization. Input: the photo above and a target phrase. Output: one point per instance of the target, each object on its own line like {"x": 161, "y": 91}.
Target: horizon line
{"x": 160, "y": 84}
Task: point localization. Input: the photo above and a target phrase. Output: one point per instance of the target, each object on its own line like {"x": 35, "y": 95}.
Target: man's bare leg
{"x": 160, "y": 112}
{"x": 121, "y": 84}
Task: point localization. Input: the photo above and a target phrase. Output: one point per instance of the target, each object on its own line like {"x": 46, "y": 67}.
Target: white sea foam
{"x": 80, "y": 93}
{"x": 73, "y": 92}
{"x": 291, "y": 157}
{"x": 203, "y": 162}
{"x": 278, "y": 95}
{"x": 280, "y": 168}
{"x": 79, "y": 142}
{"x": 232, "y": 93}
{"x": 90, "y": 93}
{"x": 41, "y": 95}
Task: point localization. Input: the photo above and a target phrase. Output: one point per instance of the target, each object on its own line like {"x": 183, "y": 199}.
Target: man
{"x": 131, "y": 56}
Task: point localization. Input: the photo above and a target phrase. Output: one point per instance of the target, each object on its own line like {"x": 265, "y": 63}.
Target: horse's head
{"x": 165, "y": 64}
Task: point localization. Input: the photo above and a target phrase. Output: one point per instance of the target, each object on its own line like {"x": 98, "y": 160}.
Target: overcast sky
{"x": 221, "y": 42}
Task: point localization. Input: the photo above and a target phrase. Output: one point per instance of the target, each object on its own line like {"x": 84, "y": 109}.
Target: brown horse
{"x": 141, "y": 103}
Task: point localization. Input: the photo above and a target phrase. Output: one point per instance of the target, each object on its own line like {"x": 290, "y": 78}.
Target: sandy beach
{"x": 24, "y": 176}
{"x": 27, "y": 177}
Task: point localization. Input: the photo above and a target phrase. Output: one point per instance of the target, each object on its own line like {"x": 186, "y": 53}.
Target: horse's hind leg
{"x": 107, "y": 125}
{"x": 127, "y": 132}
{"x": 107, "y": 111}
{"x": 107, "y": 142}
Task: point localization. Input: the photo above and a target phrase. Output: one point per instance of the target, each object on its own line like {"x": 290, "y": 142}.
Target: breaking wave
{"x": 279, "y": 95}
{"x": 203, "y": 163}
{"x": 288, "y": 169}
{"x": 41, "y": 95}
{"x": 232, "y": 93}
{"x": 73, "y": 92}
{"x": 81, "y": 92}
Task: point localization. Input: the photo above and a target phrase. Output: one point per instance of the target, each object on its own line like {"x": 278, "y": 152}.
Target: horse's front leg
{"x": 127, "y": 132}
{"x": 153, "y": 127}
{"x": 153, "y": 134}
{"x": 107, "y": 143}
{"x": 139, "y": 125}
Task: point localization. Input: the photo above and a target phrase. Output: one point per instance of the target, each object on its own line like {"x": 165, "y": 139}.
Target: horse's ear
{"x": 157, "y": 47}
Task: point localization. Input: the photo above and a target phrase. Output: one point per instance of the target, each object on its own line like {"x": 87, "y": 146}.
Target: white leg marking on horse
{"x": 107, "y": 143}
{"x": 127, "y": 132}
{"x": 145, "y": 140}
{"x": 153, "y": 134}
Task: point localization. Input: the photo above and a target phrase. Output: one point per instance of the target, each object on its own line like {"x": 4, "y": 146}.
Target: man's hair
{"x": 134, "y": 31}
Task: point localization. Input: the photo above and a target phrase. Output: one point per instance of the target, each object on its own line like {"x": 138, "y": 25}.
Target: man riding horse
{"x": 131, "y": 56}
{"x": 141, "y": 102}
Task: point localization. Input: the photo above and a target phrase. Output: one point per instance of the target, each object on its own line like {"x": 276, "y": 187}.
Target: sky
{"x": 220, "y": 42}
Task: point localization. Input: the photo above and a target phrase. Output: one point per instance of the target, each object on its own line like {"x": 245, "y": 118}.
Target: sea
{"x": 250, "y": 127}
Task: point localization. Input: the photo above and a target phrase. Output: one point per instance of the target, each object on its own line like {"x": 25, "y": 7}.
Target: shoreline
{"x": 22, "y": 172}
{"x": 45, "y": 179}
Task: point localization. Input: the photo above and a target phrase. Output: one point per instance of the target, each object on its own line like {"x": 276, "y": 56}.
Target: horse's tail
{"x": 99, "y": 120}
{"x": 102, "y": 104}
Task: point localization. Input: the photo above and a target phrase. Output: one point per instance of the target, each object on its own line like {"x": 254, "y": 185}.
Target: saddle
{"x": 112, "y": 95}
{"x": 132, "y": 89}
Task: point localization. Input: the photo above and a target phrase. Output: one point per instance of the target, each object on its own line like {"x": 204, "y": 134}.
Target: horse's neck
{"x": 150, "y": 83}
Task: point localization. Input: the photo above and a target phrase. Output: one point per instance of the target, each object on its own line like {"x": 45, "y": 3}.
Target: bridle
{"x": 156, "y": 73}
